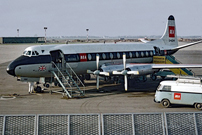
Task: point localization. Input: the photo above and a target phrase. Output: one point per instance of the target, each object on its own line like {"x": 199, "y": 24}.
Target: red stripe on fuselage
{"x": 83, "y": 57}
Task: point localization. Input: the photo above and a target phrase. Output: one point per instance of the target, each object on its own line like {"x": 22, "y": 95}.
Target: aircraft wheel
{"x": 153, "y": 77}
{"x": 144, "y": 78}
{"x": 38, "y": 89}
{"x": 165, "y": 103}
{"x": 198, "y": 106}
{"x": 46, "y": 85}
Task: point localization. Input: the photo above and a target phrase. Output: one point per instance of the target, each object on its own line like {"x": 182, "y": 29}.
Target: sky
{"x": 101, "y": 17}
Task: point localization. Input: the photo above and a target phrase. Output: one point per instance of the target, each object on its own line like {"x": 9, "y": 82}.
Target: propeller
{"x": 125, "y": 72}
{"x": 97, "y": 72}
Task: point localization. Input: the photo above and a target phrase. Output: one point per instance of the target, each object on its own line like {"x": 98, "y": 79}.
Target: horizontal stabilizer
{"x": 186, "y": 45}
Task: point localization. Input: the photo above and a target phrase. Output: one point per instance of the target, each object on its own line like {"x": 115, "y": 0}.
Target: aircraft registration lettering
{"x": 83, "y": 57}
{"x": 177, "y": 96}
{"x": 172, "y": 31}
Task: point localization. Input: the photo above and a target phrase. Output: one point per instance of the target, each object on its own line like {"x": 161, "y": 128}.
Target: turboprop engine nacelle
{"x": 143, "y": 69}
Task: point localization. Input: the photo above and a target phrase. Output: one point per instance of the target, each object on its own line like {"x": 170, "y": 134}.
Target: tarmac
{"x": 14, "y": 97}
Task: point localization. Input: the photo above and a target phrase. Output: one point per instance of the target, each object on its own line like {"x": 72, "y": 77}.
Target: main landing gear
{"x": 37, "y": 87}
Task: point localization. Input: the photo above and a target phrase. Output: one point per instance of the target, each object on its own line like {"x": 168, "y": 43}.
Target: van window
{"x": 159, "y": 87}
{"x": 166, "y": 87}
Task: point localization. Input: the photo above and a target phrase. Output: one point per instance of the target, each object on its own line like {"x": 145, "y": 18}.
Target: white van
{"x": 185, "y": 90}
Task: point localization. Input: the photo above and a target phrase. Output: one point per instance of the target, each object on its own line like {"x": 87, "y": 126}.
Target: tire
{"x": 47, "y": 85}
{"x": 38, "y": 89}
{"x": 165, "y": 103}
{"x": 144, "y": 78}
{"x": 198, "y": 106}
{"x": 153, "y": 77}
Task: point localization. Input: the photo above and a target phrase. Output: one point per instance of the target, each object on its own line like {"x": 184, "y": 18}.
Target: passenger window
{"x": 93, "y": 56}
{"x": 111, "y": 55}
{"x": 166, "y": 87}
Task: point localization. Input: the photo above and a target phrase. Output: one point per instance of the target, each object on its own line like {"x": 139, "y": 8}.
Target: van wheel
{"x": 198, "y": 106}
{"x": 165, "y": 103}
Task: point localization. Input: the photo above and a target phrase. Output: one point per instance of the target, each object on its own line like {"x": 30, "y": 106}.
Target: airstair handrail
{"x": 61, "y": 73}
{"x": 75, "y": 75}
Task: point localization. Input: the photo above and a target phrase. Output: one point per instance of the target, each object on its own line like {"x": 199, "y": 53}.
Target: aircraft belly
{"x": 141, "y": 60}
{"x": 34, "y": 70}
{"x": 72, "y": 65}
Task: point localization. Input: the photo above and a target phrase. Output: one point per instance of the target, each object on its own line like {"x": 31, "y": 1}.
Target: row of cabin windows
{"x": 109, "y": 56}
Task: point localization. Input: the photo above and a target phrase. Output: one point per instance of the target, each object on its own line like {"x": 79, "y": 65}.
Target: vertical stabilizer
{"x": 170, "y": 35}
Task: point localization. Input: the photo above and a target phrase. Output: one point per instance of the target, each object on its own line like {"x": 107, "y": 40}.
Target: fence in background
{"x": 96, "y": 124}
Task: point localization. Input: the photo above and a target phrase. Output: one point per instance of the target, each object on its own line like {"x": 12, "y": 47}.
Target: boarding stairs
{"x": 71, "y": 87}
{"x": 171, "y": 60}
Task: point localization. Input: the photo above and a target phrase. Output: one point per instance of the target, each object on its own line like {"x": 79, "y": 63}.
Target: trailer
{"x": 185, "y": 90}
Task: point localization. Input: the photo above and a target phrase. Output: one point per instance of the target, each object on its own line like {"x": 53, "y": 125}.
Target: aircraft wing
{"x": 186, "y": 45}
{"x": 161, "y": 66}
{"x": 136, "y": 67}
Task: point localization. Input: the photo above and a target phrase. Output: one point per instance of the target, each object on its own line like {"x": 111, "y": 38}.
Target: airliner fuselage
{"x": 36, "y": 60}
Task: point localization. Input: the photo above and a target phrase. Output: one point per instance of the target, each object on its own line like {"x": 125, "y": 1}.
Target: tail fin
{"x": 170, "y": 35}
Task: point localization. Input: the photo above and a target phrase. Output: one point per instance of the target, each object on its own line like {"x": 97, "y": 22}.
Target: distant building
{"x": 11, "y": 40}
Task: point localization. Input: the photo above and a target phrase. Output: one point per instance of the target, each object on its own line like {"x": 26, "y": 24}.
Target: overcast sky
{"x": 101, "y": 17}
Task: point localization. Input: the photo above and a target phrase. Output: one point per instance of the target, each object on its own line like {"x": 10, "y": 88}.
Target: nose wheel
{"x": 38, "y": 89}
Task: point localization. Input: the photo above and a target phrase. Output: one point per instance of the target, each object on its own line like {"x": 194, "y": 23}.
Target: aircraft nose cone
{"x": 10, "y": 71}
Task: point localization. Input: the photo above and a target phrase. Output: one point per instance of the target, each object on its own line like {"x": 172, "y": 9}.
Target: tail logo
{"x": 172, "y": 31}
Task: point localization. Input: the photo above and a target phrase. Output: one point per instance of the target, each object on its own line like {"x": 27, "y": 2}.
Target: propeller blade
{"x": 97, "y": 61}
{"x": 124, "y": 61}
{"x": 97, "y": 82}
{"x": 126, "y": 82}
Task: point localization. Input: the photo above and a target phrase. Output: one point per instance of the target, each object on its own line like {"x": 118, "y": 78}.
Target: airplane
{"x": 105, "y": 59}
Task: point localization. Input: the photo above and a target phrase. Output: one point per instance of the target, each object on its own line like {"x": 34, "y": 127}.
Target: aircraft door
{"x": 58, "y": 58}
{"x": 157, "y": 51}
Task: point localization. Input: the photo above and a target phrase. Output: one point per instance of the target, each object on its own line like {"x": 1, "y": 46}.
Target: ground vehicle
{"x": 185, "y": 90}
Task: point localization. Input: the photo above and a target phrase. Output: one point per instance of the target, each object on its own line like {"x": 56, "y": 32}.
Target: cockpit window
{"x": 36, "y": 53}
{"x": 24, "y": 53}
{"x": 30, "y": 53}
{"x": 33, "y": 53}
